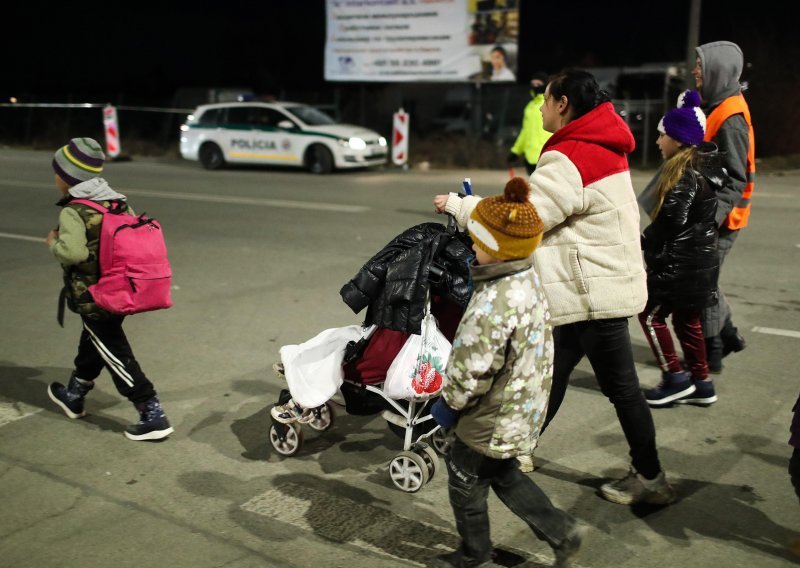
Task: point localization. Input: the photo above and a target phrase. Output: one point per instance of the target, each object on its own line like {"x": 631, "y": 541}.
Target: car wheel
{"x": 319, "y": 159}
{"x": 211, "y": 156}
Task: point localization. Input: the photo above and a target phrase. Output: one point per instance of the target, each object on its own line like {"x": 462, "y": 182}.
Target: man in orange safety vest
{"x": 717, "y": 72}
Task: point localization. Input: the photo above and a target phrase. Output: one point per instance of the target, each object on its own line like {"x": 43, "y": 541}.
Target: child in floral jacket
{"x": 498, "y": 382}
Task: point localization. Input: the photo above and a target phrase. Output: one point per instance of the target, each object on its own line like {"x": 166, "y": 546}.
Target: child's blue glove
{"x": 445, "y": 416}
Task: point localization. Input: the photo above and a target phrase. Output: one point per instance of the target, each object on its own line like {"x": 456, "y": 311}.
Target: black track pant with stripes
{"x": 103, "y": 344}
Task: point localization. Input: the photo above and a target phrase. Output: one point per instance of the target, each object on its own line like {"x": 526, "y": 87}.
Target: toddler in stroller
{"x": 422, "y": 271}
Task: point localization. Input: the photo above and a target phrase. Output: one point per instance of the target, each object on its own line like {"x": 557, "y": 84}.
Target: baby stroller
{"x": 424, "y": 268}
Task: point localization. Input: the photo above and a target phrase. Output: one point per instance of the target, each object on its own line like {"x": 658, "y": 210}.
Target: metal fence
{"x": 151, "y": 130}
{"x": 492, "y": 113}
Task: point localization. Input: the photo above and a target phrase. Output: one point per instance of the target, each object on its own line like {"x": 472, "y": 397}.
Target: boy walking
{"x": 75, "y": 244}
{"x": 498, "y": 382}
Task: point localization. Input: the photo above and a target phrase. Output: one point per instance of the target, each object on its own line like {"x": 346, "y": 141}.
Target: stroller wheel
{"x": 430, "y": 457}
{"x": 440, "y": 440}
{"x": 287, "y": 439}
{"x": 323, "y": 417}
{"x": 409, "y": 472}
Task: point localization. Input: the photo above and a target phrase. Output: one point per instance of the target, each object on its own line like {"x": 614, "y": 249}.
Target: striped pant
{"x": 687, "y": 326}
{"x": 103, "y": 344}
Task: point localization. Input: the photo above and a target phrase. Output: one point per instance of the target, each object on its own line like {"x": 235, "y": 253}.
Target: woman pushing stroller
{"x": 590, "y": 264}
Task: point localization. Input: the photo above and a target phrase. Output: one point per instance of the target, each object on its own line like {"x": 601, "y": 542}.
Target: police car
{"x": 277, "y": 133}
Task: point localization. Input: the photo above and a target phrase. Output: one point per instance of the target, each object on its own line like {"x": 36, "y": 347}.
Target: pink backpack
{"x": 135, "y": 275}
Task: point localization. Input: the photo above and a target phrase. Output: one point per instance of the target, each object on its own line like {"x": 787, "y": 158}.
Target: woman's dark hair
{"x": 580, "y": 88}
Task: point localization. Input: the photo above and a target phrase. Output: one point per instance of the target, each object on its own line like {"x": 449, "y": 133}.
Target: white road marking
{"x": 23, "y": 238}
{"x": 258, "y": 201}
{"x": 775, "y": 331}
{"x": 13, "y": 411}
{"x": 230, "y": 199}
{"x": 346, "y": 521}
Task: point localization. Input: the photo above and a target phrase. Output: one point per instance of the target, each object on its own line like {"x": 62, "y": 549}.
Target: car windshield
{"x": 310, "y": 115}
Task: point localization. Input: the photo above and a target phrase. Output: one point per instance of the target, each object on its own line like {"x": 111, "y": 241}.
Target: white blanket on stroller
{"x": 313, "y": 369}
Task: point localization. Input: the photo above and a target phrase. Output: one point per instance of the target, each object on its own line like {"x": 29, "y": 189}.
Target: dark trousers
{"x": 530, "y": 168}
{"x": 470, "y": 475}
{"x": 103, "y": 344}
{"x": 607, "y": 344}
{"x": 794, "y": 470}
{"x": 688, "y": 329}
{"x": 718, "y": 316}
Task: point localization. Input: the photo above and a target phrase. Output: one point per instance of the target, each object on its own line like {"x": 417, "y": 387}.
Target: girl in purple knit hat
{"x": 680, "y": 250}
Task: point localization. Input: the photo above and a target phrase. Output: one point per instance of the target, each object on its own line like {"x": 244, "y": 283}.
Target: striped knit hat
{"x": 80, "y": 160}
{"x": 507, "y": 227}
{"x": 687, "y": 123}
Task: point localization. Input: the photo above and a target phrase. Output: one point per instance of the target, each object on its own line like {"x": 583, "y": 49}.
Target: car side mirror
{"x": 286, "y": 124}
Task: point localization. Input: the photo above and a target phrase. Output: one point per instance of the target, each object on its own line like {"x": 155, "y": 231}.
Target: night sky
{"x": 84, "y": 49}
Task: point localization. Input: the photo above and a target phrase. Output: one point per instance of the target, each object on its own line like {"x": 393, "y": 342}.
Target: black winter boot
{"x": 70, "y": 398}
{"x": 153, "y": 423}
{"x": 732, "y": 340}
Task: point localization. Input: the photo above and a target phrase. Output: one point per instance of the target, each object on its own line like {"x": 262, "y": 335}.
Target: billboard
{"x": 421, "y": 40}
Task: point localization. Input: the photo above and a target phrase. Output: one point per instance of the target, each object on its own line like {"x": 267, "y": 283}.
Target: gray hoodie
{"x": 721, "y": 63}
{"x": 95, "y": 189}
{"x": 70, "y": 247}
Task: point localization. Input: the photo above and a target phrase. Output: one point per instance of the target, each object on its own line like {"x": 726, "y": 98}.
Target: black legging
{"x": 607, "y": 344}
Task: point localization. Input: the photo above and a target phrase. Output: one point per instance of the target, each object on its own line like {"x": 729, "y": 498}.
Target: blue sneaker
{"x": 703, "y": 395}
{"x": 672, "y": 387}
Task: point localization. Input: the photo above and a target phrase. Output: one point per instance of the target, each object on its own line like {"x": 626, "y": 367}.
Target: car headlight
{"x": 382, "y": 141}
{"x": 357, "y": 143}
{"x": 184, "y": 128}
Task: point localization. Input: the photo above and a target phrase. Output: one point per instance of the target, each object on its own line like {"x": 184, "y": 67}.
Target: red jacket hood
{"x": 602, "y": 126}
{"x": 597, "y": 143}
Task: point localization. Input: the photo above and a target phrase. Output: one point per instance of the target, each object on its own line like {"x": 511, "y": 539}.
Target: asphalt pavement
{"x": 259, "y": 256}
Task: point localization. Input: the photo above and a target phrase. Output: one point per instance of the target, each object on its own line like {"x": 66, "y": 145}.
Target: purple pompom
{"x": 689, "y": 99}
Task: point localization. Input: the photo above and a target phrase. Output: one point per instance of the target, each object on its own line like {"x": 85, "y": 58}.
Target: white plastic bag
{"x": 417, "y": 370}
{"x": 313, "y": 369}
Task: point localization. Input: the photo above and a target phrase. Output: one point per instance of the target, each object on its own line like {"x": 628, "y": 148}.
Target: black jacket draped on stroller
{"x": 395, "y": 282}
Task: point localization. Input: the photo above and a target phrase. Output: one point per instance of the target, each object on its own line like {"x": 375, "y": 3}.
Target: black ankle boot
{"x": 153, "y": 423}
{"x": 70, "y": 398}
{"x": 732, "y": 341}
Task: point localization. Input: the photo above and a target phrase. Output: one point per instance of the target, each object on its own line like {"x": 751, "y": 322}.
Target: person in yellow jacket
{"x": 533, "y": 135}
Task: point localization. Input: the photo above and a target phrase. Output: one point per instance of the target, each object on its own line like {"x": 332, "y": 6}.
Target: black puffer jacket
{"x": 680, "y": 246}
{"x": 394, "y": 283}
